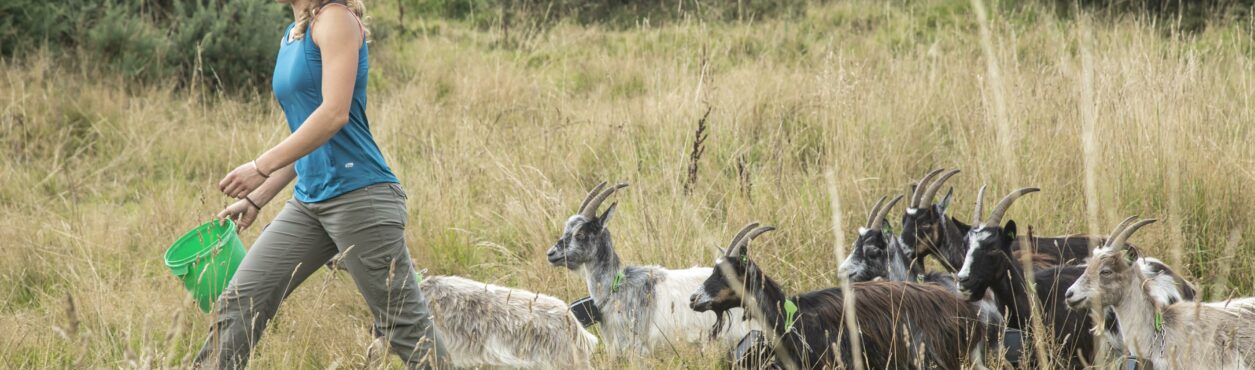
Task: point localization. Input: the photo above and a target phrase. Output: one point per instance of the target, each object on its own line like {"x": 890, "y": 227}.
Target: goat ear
{"x": 1131, "y": 254}
{"x": 945, "y": 202}
{"x": 605, "y": 216}
{"x": 1009, "y": 230}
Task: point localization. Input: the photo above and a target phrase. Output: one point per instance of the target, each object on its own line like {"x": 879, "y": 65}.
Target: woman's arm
{"x": 339, "y": 36}
{"x": 244, "y": 211}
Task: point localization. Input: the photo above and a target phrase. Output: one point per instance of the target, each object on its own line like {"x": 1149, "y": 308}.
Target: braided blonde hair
{"x": 305, "y": 16}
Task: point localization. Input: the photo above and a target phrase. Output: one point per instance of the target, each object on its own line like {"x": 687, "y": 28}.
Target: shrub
{"x": 236, "y": 39}
{"x": 232, "y": 43}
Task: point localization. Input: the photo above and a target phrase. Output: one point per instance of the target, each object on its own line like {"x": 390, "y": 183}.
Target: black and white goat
{"x": 642, "y": 307}
{"x": 878, "y": 254}
{"x": 1182, "y": 335}
{"x": 990, "y": 265}
{"x": 927, "y": 231}
{"x": 901, "y": 325}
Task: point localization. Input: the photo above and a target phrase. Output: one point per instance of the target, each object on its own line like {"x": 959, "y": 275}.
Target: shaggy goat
{"x": 484, "y": 325}
{"x": 878, "y": 254}
{"x": 990, "y": 265}
{"x": 927, "y": 231}
{"x": 901, "y": 325}
{"x": 642, "y": 307}
{"x": 1179, "y": 335}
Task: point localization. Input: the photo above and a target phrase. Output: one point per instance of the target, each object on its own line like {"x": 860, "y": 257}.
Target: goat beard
{"x": 722, "y": 323}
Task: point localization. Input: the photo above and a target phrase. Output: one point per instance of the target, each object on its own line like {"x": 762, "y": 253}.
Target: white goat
{"x": 485, "y": 325}
{"x": 642, "y": 307}
{"x": 1174, "y": 336}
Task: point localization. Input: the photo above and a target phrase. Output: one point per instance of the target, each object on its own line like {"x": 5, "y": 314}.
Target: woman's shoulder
{"x": 336, "y": 23}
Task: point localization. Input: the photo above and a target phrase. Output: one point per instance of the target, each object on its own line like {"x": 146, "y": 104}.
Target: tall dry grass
{"x": 497, "y": 145}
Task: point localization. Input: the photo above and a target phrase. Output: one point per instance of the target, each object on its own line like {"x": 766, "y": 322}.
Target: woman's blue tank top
{"x": 350, "y": 160}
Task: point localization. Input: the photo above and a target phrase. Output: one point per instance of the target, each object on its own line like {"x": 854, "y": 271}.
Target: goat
{"x": 927, "y": 231}
{"x": 901, "y": 325}
{"x": 485, "y": 325}
{"x": 989, "y": 265}
{"x": 879, "y": 254}
{"x": 1176, "y": 335}
{"x": 642, "y": 307}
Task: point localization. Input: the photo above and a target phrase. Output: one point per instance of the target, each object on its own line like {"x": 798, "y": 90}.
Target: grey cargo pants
{"x": 365, "y": 225}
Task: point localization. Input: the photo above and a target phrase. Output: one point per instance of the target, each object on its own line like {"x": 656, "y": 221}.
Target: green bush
{"x": 231, "y": 43}
{"x": 236, "y": 40}
{"x": 127, "y": 44}
{"x": 26, "y": 24}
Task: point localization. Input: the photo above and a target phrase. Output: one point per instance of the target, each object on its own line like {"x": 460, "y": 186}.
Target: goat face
{"x": 869, "y": 257}
{"x": 717, "y": 292}
{"x": 921, "y": 228}
{"x": 1108, "y": 274}
{"x": 988, "y": 259}
{"x": 582, "y": 241}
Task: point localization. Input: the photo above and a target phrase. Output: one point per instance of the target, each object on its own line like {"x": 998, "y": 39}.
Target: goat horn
{"x": 871, "y": 216}
{"x": 736, "y": 240}
{"x": 1121, "y": 226}
{"x": 923, "y": 184}
{"x": 739, "y": 248}
{"x": 590, "y": 210}
{"x": 1118, "y": 241}
{"x": 592, "y": 193}
{"x": 995, "y": 216}
{"x": 754, "y": 234}
{"x": 927, "y": 198}
{"x": 980, "y": 203}
{"x": 880, "y": 217}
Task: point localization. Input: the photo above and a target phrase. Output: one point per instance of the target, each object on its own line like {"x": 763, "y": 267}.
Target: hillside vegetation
{"x": 497, "y": 133}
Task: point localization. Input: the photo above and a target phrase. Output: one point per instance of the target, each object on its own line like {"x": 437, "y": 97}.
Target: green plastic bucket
{"x": 205, "y": 259}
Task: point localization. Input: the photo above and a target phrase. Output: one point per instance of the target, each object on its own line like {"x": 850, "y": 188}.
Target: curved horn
{"x": 590, "y": 209}
{"x": 927, "y": 198}
{"x": 923, "y": 184}
{"x": 739, "y": 235}
{"x": 591, "y": 193}
{"x": 752, "y": 234}
{"x": 980, "y": 203}
{"x": 1121, "y": 226}
{"x": 871, "y": 216}
{"x": 880, "y": 217}
{"x": 1118, "y": 241}
{"x": 738, "y": 247}
{"x": 995, "y": 216}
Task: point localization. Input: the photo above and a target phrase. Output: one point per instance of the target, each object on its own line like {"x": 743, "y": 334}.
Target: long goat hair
{"x": 1171, "y": 336}
{"x": 939, "y": 328}
{"x": 485, "y": 325}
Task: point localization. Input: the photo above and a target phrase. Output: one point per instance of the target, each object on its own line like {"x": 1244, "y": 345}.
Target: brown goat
{"x": 900, "y": 325}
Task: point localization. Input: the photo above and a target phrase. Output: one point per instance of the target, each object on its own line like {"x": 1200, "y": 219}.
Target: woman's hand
{"x": 242, "y": 180}
{"x": 242, "y": 212}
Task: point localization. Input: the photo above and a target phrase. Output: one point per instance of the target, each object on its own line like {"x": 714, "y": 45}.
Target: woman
{"x": 346, "y": 199}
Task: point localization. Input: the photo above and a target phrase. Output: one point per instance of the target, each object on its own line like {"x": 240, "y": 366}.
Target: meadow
{"x": 498, "y": 133}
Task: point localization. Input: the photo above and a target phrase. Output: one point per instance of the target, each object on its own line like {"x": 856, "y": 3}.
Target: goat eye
{"x": 1107, "y": 272}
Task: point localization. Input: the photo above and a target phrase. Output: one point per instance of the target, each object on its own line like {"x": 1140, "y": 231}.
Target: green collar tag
{"x": 1158, "y": 321}
{"x": 618, "y": 280}
{"x": 790, "y": 312}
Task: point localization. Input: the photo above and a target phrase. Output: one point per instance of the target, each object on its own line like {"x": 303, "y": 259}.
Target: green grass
{"x": 496, "y": 143}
